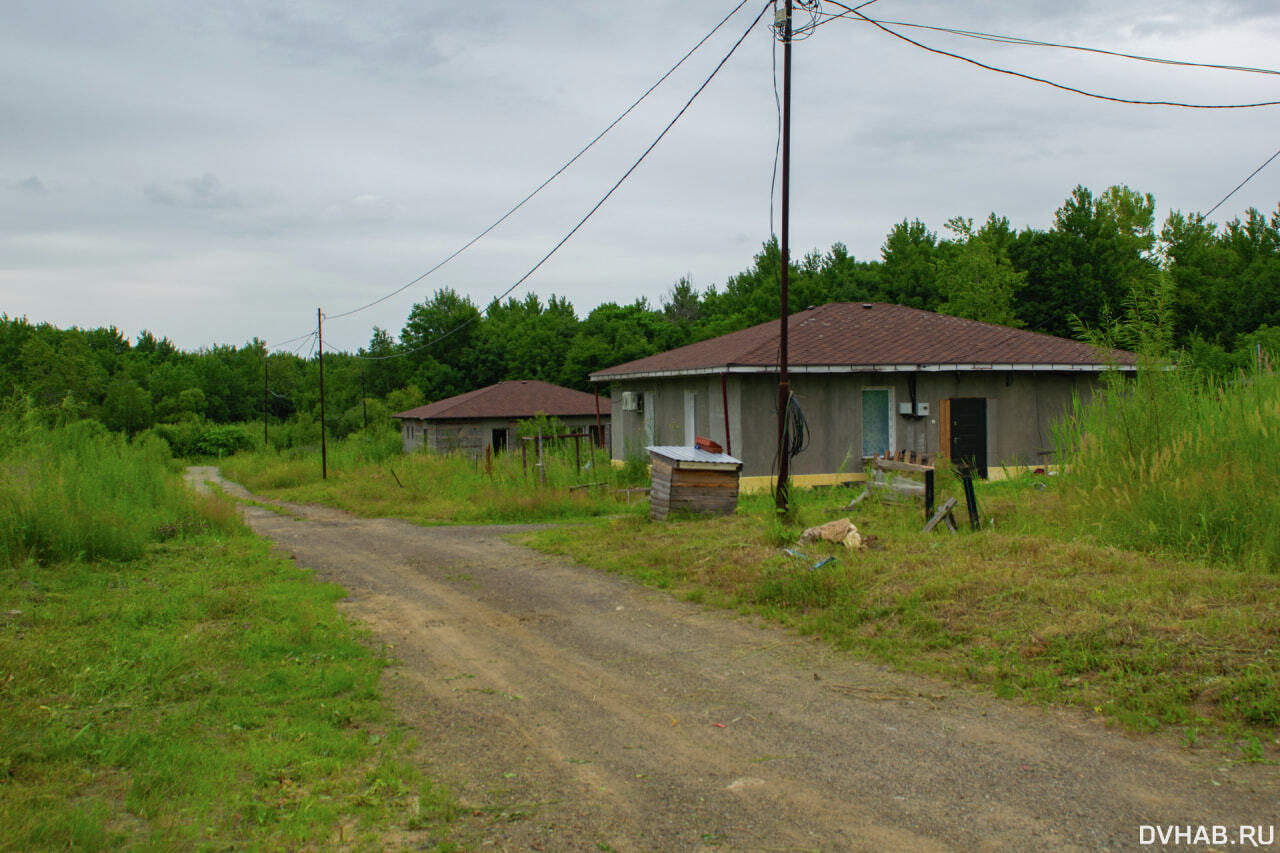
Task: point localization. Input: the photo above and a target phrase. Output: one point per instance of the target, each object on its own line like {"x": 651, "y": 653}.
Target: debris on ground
{"x": 841, "y": 530}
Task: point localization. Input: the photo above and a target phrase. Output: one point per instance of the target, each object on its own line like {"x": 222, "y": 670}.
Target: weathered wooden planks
{"x": 701, "y": 484}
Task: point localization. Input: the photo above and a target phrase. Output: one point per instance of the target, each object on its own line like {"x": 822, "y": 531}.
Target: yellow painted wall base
{"x": 757, "y": 485}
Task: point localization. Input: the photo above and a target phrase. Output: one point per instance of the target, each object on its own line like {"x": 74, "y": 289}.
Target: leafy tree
{"x": 524, "y": 339}
{"x": 404, "y": 399}
{"x": 387, "y": 368}
{"x": 127, "y": 407}
{"x": 1098, "y": 251}
{"x": 977, "y": 280}
{"x": 613, "y": 334}
{"x": 60, "y": 371}
{"x": 681, "y": 305}
{"x": 440, "y": 341}
{"x": 908, "y": 274}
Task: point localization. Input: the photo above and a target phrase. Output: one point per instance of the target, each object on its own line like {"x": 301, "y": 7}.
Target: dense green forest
{"x": 1219, "y": 287}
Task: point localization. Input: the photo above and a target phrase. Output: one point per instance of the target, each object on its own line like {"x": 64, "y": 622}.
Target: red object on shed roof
{"x": 703, "y": 443}
{"x": 521, "y": 398}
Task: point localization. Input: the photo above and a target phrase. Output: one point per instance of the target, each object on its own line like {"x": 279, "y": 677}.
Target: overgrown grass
{"x": 439, "y": 489}
{"x": 167, "y": 683}
{"x": 206, "y": 695}
{"x": 80, "y": 491}
{"x": 1171, "y": 461}
{"x": 1023, "y": 608}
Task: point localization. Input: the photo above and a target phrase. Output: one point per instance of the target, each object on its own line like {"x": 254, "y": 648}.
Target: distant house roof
{"x": 859, "y": 337}
{"x": 522, "y": 398}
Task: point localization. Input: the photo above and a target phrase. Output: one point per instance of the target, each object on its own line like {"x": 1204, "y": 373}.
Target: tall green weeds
{"x": 1167, "y": 462}
{"x": 80, "y": 491}
{"x": 1171, "y": 460}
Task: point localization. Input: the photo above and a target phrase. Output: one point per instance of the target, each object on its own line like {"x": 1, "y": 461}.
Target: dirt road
{"x": 576, "y": 711}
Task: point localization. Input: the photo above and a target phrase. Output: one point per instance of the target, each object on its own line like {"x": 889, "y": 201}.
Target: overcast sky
{"x": 215, "y": 171}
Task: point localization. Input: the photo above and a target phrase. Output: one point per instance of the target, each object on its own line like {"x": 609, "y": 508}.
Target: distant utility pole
{"x": 266, "y": 439}
{"x": 324, "y": 455}
{"x": 784, "y": 386}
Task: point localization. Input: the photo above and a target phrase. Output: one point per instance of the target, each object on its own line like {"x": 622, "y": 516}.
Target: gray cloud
{"x": 189, "y": 159}
{"x": 32, "y": 185}
{"x": 204, "y": 193}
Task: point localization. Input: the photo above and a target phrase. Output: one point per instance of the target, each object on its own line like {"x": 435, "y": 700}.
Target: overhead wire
{"x": 554, "y": 175}
{"x": 1017, "y": 40}
{"x": 521, "y": 280}
{"x": 282, "y": 344}
{"x": 1064, "y": 87}
{"x": 1241, "y": 184}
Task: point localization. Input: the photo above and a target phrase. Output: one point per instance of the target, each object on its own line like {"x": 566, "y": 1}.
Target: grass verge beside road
{"x": 207, "y": 694}
{"x": 1024, "y": 608}
{"x": 165, "y": 681}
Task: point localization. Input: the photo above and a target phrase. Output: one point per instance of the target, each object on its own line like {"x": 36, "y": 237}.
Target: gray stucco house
{"x": 870, "y": 378}
{"x": 488, "y": 417}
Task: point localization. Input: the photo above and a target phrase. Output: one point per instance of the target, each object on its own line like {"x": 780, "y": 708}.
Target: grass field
{"x": 206, "y": 695}
{"x": 166, "y": 682}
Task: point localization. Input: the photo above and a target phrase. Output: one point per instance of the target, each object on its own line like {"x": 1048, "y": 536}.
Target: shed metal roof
{"x": 681, "y": 453}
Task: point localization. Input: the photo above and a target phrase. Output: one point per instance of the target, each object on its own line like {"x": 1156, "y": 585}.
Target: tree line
{"x": 1217, "y": 287}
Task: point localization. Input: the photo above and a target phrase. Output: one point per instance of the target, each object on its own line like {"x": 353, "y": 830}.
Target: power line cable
{"x": 878, "y": 25}
{"x": 282, "y": 344}
{"x": 554, "y": 175}
{"x": 1241, "y": 184}
{"x": 1016, "y": 40}
{"x": 521, "y": 280}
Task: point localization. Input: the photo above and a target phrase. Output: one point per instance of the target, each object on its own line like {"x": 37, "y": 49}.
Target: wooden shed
{"x": 689, "y": 479}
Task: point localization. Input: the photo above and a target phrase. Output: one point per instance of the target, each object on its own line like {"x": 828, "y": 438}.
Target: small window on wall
{"x": 876, "y": 421}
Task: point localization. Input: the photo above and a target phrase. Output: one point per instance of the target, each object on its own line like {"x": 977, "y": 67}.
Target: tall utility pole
{"x": 784, "y": 386}
{"x": 266, "y": 438}
{"x": 324, "y": 455}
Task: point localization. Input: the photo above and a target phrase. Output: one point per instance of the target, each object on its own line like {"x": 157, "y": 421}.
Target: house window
{"x": 877, "y": 425}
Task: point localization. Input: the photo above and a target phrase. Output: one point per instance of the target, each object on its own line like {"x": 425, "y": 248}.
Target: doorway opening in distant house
{"x": 499, "y": 440}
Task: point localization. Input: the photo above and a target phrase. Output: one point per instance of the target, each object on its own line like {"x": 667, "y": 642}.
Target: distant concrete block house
{"x": 488, "y": 417}
{"x": 870, "y": 378}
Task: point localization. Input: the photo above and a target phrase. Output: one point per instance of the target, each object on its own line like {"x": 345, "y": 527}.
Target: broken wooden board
{"x": 943, "y": 513}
